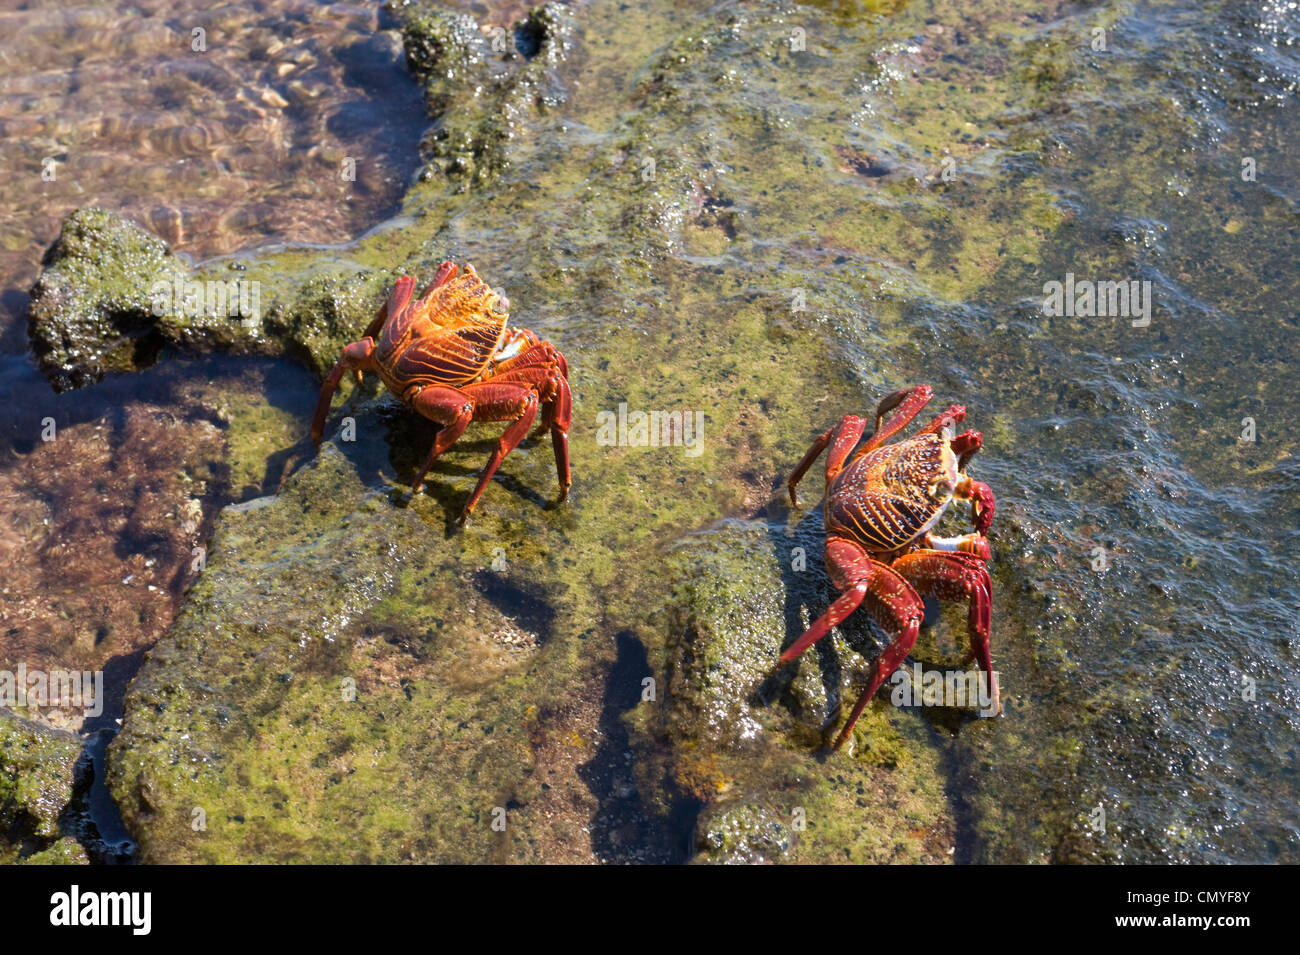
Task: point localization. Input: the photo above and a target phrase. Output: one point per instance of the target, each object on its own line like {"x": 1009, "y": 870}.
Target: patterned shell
{"x": 445, "y": 338}
{"x": 888, "y": 497}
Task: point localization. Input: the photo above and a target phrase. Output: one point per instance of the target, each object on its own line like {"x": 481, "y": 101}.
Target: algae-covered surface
{"x": 766, "y": 216}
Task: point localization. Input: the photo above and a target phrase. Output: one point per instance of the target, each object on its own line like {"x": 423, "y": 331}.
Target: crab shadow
{"x": 627, "y": 827}
{"x": 389, "y": 444}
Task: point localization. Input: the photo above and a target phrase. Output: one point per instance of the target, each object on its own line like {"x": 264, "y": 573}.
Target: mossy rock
{"x": 37, "y": 771}
{"x": 66, "y": 851}
{"x": 90, "y": 309}
{"x": 483, "y": 90}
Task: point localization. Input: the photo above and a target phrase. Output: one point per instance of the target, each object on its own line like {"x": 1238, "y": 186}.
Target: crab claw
{"x": 981, "y": 506}
{"x": 976, "y": 544}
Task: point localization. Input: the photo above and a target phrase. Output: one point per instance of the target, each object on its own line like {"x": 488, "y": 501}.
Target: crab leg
{"x": 909, "y": 402}
{"x": 976, "y": 544}
{"x": 396, "y": 302}
{"x": 454, "y": 408}
{"x": 889, "y": 600}
{"x": 446, "y": 272}
{"x": 357, "y": 357}
{"x": 449, "y": 407}
{"x": 561, "y": 418}
{"x": 544, "y": 368}
{"x": 851, "y": 570}
{"x": 952, "y": 416}
{"x": 958, "y": 576}
{"x": 501, "y": 401}
{"x": 842, "y": 438}
{"x": 965, "y": 446}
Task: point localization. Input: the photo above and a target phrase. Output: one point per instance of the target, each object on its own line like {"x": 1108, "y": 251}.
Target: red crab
{"x": 450, "y": 356}
{"x": 880, "y": 506}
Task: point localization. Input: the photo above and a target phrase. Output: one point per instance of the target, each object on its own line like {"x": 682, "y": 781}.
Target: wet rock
{"x": 729, "y": 631}
{"x": 742, "y": 834}
{"x": 322, "y": 698}
{"x": 36, "y": 779}
{"x": 66, "y": 851}
{"x": 325, "y": 313}
{"x": 112, "y": 297}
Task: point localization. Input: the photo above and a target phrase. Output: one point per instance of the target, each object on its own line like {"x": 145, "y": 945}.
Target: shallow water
{"x": 217, "y": 145}
{"x": 1144, "y": 601}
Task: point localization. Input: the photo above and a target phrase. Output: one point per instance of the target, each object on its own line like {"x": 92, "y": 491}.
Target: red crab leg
{"x": 449, "y": 407}
{"x": 842, "y": 438}
{"x": 501, "y": 401}
{"x": 909, "y": 402}
{"x": 357, "y": 356}
{"x": 481, "y": 401}
{"x": 544, "y": 368}
{"x": 958, "y": 576}
{"x": 392, "y": 306}
{"x": 982, "y": 505}
{"x": 562, "y": 417}
{"x": 396, "y": 303}
{"x": 965, "y": 446}
{"x": 891, "y": 602}
{"x": 446, "y": 272}
{"x": 951, "y": 417}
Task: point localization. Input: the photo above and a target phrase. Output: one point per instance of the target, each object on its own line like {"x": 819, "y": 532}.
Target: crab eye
{"x": 941, "y": 490}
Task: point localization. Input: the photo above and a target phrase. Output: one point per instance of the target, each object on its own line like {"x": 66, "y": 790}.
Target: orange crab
{"x": 450, "y": 356}
{"x": 880, "y": 506}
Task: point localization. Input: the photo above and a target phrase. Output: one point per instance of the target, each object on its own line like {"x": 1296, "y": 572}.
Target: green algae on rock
{"x": 450, "y": 726}
{"x": 322, "y": 697}
{"x": 112, "y": 296}
{"x": 37, "y": 772}
{"x": 90, "y": 309}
